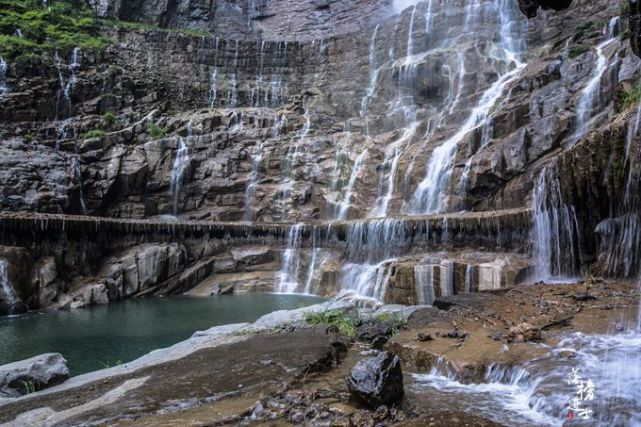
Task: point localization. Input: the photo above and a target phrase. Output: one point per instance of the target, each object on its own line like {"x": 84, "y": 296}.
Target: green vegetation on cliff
{"x": 29, "y": 28}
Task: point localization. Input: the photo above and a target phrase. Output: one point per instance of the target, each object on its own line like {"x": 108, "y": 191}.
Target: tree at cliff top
{"x": 28, "y": 27}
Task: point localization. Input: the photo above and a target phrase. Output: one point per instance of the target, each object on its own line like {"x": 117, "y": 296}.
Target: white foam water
{"x": 7, "y": 290}
{"x": 178, "y": 171}
{"x": 4, "y": 86}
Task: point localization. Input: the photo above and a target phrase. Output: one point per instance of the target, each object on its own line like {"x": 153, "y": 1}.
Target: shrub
{"x": 108, "y": 120}
{"x": 155, "y": 132}
{"x": 94, "y": 133}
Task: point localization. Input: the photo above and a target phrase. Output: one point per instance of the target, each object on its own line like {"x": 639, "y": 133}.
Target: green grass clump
{"x": 155, "y": 132}
{"x": 588, "y": 30}
{"x": 576, "y": 51}
{"x": 346, "y": 325}
{"x": 61, "y": 27}
{"x": 108, "y": 120}
{"x": 630, "y": 97}
{"x": 94, "y": 133}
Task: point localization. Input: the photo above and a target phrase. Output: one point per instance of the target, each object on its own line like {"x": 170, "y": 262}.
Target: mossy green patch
{"x": 59, "y": 27}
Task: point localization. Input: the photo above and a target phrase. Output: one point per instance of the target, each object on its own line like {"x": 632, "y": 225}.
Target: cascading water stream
{"x": 555, "y": 230}
{"x": 373, "y": 78}
{"x": 589, "y": 98}
{"x": 4, "y": 87}
{"x": 7, "y": 290}
{"x": 232, "y": 93}
{"x": 359, "y": 164}
{"x": 431, "y": 196}
{"x": 178, "y": 171}
{"x": 213, "y": 79}
{"x": 288, "y": 277}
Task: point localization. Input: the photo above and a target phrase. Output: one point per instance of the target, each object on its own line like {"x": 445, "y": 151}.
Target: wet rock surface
{"x": 377, "y": 380}
{"x": 31, "y": 375}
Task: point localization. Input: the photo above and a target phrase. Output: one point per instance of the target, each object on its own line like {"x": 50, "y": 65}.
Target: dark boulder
{"x": 369, "y": 332}
{"x": 531, "y": 7}
{"x": 377, "y": 380}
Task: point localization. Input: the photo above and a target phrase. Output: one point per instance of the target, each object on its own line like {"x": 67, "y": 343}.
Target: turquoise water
{"x": 104, "y": 336}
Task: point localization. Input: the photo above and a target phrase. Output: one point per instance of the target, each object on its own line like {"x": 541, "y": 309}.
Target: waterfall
{"x": 232, "y": 93}
{"x": 590, "y": 95}
{"x": 424, "y": 279}
{"x": 66, "y": 87}
{"x": 366, "y": 281}
{"x": 387, "y": 182}
{"x": 213, "y": 79}
{"x": 431, "y": 196}
{"x": 254, "y": 97}
{"x": 178, "y": 172}
{"x": 469, "y": 278}
{"x": 554, "y": 230}
{"x": 4, "y": 87}
{"x": 280, "y": 61}
{"x": 373, "y": 77}
{"x": 9, "y": 294}
{"x": 287, "y": 279}
{"x": 621, "y": 237}
{"x": 343, "y": 207}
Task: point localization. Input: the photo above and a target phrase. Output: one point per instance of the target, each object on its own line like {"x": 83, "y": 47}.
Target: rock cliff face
{"x": 300, "y": 112}
{"x": 255, "y": 19}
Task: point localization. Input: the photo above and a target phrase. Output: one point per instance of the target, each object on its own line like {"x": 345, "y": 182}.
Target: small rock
{"x": 379, "y": 342}
{"x": 297, "y": 417}
{"x": 584, "y": 297}
{"x": 423, "y": 337}
{"x": 382, "y": 413}
{"x": 619, "y": 326}
{"x": 377, "y": 380}
{"x": 523, "y": 332}
{"x": 368, "y": 333}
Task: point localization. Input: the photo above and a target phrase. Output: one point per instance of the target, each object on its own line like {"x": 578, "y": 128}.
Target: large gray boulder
{"x": 377, "y": 380}
{"x": 33, "y": 374}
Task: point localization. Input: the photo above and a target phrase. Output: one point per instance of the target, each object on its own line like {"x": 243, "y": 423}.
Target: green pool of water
{"x": 105, "y": 336}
